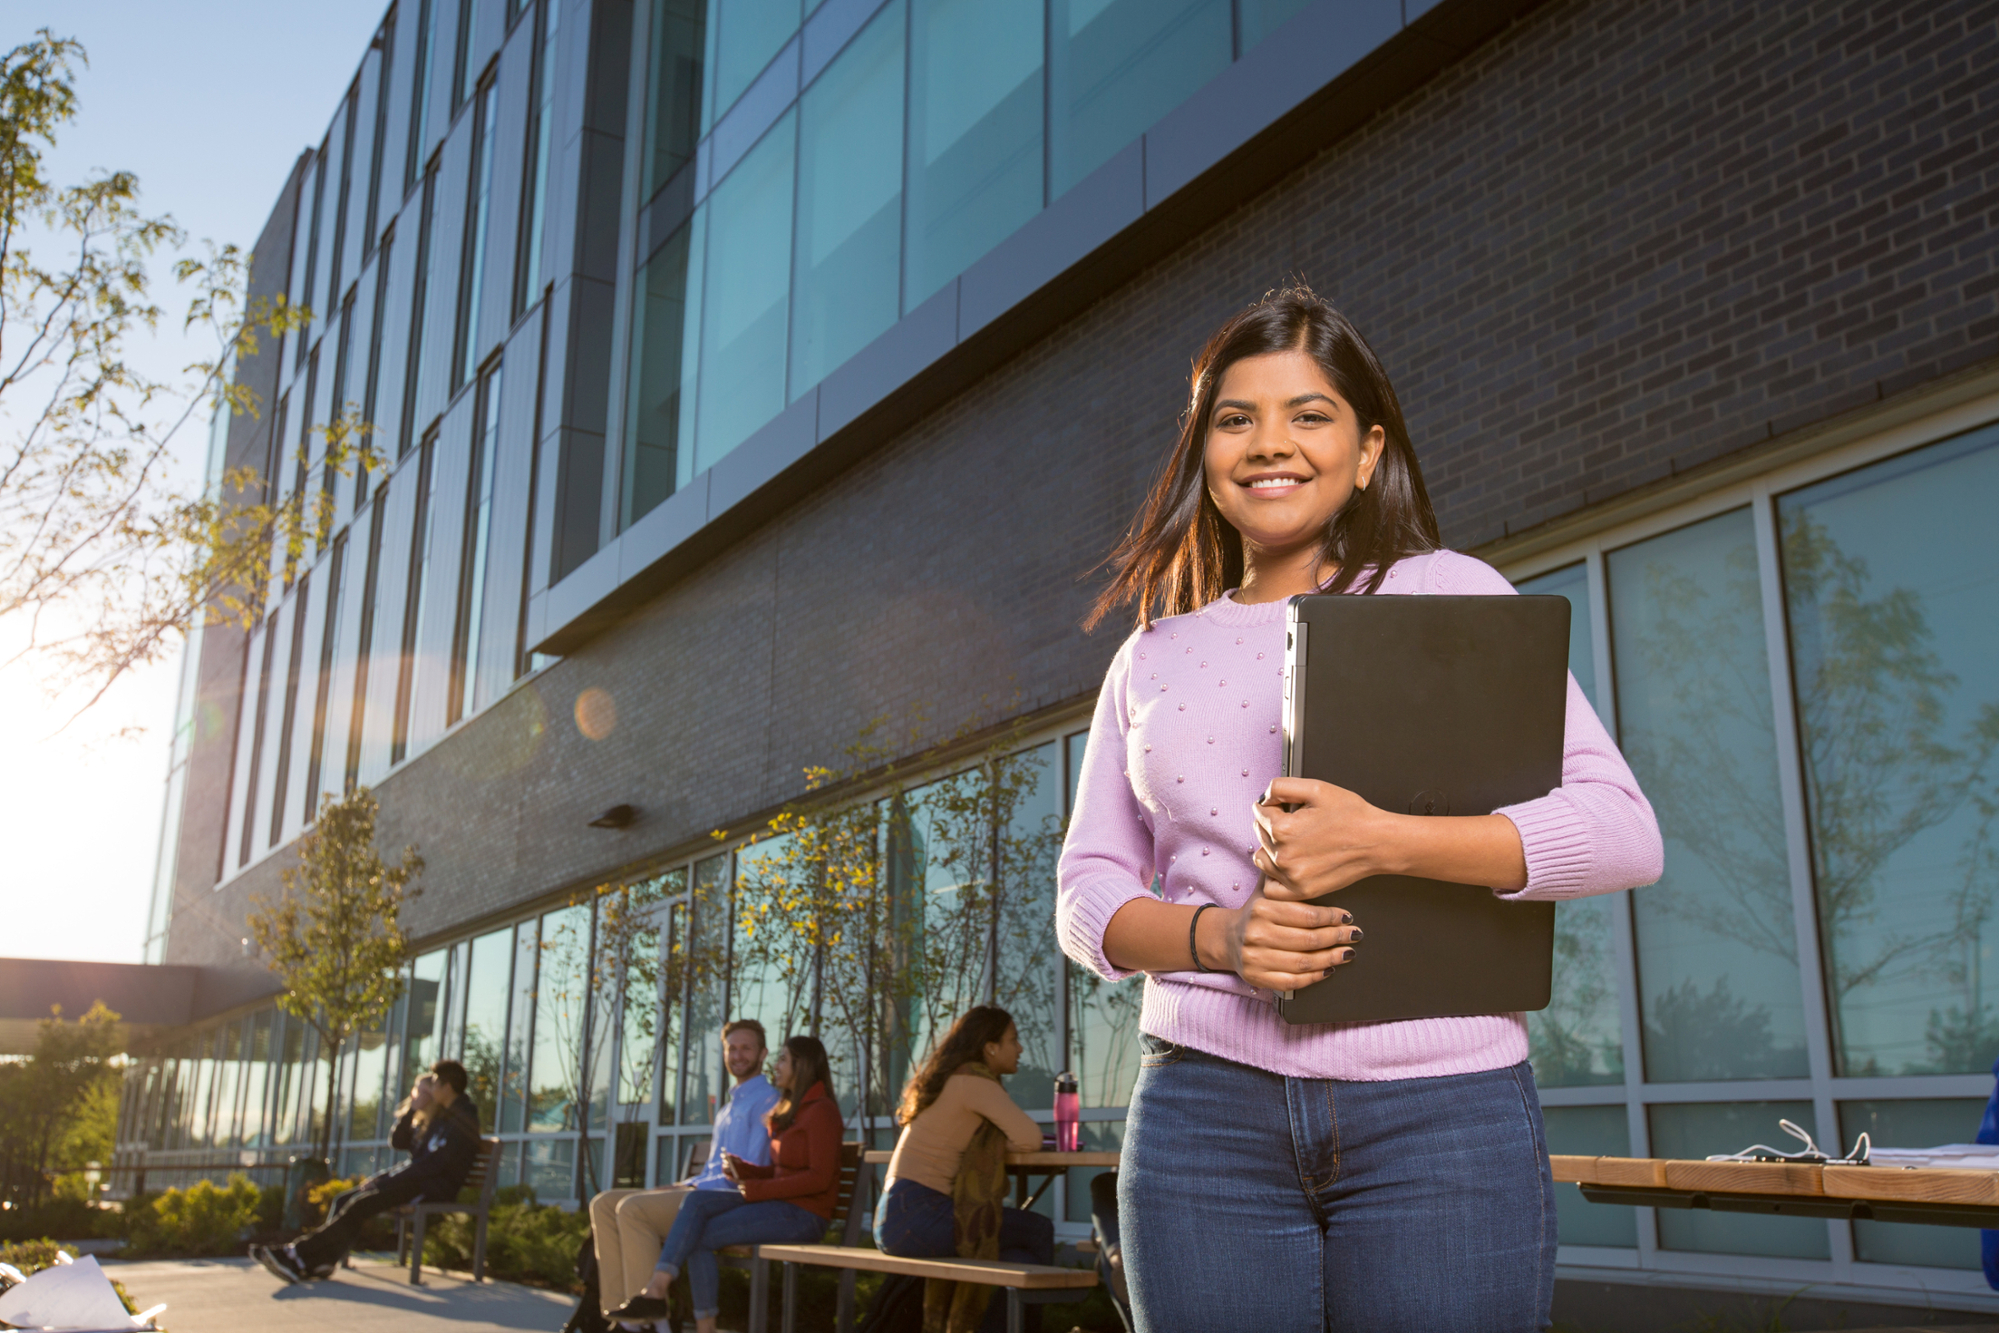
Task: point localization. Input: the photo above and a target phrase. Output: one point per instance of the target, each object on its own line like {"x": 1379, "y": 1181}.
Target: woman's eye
{"x": 1312, "y": 418}
{"x": 1233, "y": 419}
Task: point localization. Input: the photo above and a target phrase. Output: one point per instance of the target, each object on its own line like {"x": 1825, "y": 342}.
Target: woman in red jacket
{"x": 789, "y": 1202}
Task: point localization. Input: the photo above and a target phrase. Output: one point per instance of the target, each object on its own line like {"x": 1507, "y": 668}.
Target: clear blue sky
{"x": 209, "y": 102}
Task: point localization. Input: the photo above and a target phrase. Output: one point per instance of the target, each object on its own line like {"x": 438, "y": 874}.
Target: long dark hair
{"x": 1180, "y": 553}
{"x": 964, "y": 1043}
{"x": 809, "y": 1065}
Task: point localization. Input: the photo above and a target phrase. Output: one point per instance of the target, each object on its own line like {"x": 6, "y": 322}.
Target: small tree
{"x": 104, "y": 564}
{"x": 334, "y": 936}
{"x": 43, "y": 1097}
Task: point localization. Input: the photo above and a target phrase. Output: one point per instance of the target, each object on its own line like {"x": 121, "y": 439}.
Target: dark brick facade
{"x": 1623, "y": 239}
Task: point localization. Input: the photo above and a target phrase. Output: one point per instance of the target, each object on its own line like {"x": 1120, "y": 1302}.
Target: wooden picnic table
{"x": 1935, "y": 1196}
{"x": 1041, "y": 1162}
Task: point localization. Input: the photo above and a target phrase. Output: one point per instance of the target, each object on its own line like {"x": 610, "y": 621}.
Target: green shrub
{"x": 67, "y": 1219}
{"x": 270, "y": 1207}
{"x": 525, "y": 1242}
{"x": 199, "y": 1220}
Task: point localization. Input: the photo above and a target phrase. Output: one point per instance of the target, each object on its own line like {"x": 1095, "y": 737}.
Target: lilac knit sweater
{"x": 1185, "y": 739}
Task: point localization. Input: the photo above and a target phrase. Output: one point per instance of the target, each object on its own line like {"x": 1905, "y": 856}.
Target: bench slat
{"x": 985, "y": 1272}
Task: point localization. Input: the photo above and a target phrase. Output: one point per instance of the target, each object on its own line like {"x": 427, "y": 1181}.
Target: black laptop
{"x": 1433, "y": 706}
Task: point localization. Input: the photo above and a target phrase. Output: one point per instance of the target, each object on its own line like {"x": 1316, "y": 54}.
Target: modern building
{"x": 756, "y": 379}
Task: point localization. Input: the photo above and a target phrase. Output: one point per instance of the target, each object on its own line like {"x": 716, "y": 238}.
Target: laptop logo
{"x": 1430, "y": 801}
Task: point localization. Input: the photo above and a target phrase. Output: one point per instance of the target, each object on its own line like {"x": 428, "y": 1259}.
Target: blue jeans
{"x": 710, "y": 1220}
{"x": 1252, "y": 1200}
{"x": 917, "y": 1222}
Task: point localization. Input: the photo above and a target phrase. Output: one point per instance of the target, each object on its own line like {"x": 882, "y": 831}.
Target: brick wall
{"x": 1625, "y": 238}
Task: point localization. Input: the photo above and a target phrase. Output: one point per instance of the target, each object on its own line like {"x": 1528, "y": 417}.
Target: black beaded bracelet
{"x": 1192, "y": 947}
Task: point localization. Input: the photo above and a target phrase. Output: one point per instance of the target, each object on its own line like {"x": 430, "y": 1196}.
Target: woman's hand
{"x": 422, "y": 1093}
{"x": 731, "y": 1165}
{"x": 1330, "y": 838}
{"x": 1325, "y": 840}
{"x": 1276, "y": 942}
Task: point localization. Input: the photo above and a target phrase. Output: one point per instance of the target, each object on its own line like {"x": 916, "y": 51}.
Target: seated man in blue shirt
{"x": 630, "y": 1226}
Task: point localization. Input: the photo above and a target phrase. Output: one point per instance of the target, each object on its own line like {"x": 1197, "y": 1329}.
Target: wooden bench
{"x": 846, "y": 1220}
{"x": 1014, "y": 1279}
{"x": 480, "y": 1180}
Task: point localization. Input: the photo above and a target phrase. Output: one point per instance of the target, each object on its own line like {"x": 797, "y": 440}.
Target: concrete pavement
{"x": 238, "y": 1296}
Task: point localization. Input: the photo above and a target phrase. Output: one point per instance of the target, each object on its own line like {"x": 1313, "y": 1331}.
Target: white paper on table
{"x": 70, "y": 1298}
{"x": 1957, "y": 1156}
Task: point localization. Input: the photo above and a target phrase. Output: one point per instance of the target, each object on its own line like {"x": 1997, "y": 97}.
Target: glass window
{"x": 1578, "y": 1038}
{"x": 707, "y": 978}
{"x": 228, "y": 1068}
{"x": 646, "y": 1031}
{"x": 512, "y": 1115}
{"x": 941, "y": 877}
{"x": 257, "y": 1097}
{"x": 478, "y": 210}
{"x": 423, "y": 1027}
{"x": 485, "y": 1009}
{"x": 747, "y": 34}
{"x": 562, "y": 994}
{"x": 413, "y": 603}
{"x": 1717, "y": 947}
{"x": 671, "y": 1025}
{"x": 975, "y": 120}
{"x": 849, "y": 202}
{"x": 550, "y": 1169}
{"x": 1029, "y": 797}
{"x": 1260, "y": 18}
{"x": 478, "y": 532}
{"x": 1691, "y": 1132}
{"x": 370, "y": 1062}
{"x": 426, "y": 57}
{"x": 534, "y": 180}
{"x": 673, "y": 89}
{"x": 419, "y": 305}
{"x": 658, "y": 414}
{"x": 773, "y": 968}
{"x": 1119, "y": 65}
{"x": 748, "y": 289}
{"x": 329, "y": 647}
{"x": 1890, "y": 581}
{"x": 1589, "y": 1131}
{"x": 364, "y": 644}
{"x": 1913, "y": 1124}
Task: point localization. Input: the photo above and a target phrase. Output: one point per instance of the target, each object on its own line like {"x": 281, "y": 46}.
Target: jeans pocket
{"x": 1156, "y": 1051}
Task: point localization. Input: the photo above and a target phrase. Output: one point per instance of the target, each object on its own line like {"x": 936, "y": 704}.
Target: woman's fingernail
{"x": 1350, "y": 956}
{"x": 1356, "y": 934}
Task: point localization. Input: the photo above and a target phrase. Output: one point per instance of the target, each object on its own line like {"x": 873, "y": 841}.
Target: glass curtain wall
{"x": 1802, "y": 682}
{"x": 939, "y": 129}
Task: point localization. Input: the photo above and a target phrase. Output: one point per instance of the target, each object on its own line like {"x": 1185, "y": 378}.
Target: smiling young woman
{"x": 1369, "y": 1176}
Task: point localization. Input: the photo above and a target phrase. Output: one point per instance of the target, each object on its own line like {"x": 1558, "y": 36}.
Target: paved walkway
{"x": 238, "y": 1296}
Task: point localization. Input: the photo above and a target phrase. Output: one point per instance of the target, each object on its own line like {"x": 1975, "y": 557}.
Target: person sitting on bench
{"x": 957, "y": 1120}
{"x": 438, "y": 1125}
{"x": 630, "y": 1226}
{"x": 789, "y": 1202}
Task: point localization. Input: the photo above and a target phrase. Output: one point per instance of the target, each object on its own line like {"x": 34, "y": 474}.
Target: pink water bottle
{"x": 1068, "y": 1108}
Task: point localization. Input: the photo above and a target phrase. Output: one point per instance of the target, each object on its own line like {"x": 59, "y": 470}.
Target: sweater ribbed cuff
{"x": 1083, "y": 913}
{"x": 1556, "y": 839}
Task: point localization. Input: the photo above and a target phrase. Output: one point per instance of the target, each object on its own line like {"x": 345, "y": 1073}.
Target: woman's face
{"x": 780, "y": 1072}
{"x": 1003, "y": 1056}
{"x": 1284, "y": 451}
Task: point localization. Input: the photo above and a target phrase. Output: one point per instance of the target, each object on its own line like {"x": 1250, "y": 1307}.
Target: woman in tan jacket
{"x": 948, "y": 1102}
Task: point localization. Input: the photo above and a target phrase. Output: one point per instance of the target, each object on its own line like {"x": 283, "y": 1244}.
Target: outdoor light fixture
{"x": 618, "y": 816}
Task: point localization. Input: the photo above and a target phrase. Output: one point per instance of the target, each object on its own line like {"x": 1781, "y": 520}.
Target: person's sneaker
{"x": 281, "y": 1265}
